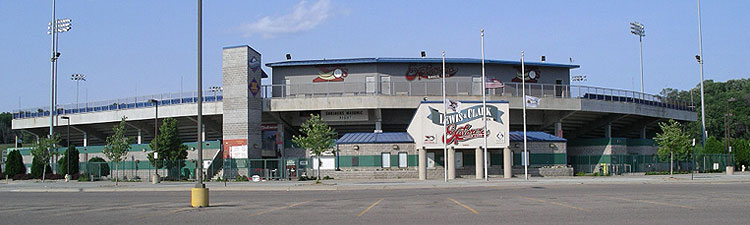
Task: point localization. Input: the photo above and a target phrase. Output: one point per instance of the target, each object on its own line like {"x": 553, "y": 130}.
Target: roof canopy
{"x": 412, "y": 60}
{"x": 375, "y": 138}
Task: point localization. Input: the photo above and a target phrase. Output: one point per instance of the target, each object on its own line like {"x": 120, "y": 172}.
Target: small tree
{"x": 43, "y": 151}
{"x": 172, "y": 153}
{"x": 672, "y": 141}
{"x": 317, "y": 137}
{"x": 14, "y": 165}
{"x": 117, "y": 146}
{"x": 39, "y": 168}
{"x": 62, "y": 163}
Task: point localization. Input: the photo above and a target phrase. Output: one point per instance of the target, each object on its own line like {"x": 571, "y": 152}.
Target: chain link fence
{"x": 618, "y": 164}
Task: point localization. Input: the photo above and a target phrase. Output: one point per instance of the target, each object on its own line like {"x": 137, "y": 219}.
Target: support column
{"x": 140, "y": 137}
{"x": 378, "y": 121}
{"x": 643, "y": 132}
{"x": 558, "y": 129}
{"x": 507, "y": 172}
{"x": 479, "y": 162}
{"x": 608, "y": 130}
{"x": 451, "y": 162}
{"x": 280, "y": 138}
{"x": 85, "y": 145}
{"x": 422, "y": 163}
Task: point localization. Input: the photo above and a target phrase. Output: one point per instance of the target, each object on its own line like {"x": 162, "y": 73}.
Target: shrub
{"x": 242, "y": 178}
{"x": 98, "y": 166}
{"x": 85, "y": 177}
{"x": 62, "y": 165}
{"x": 327, "y": 178}
{"x": 14, "y": 165}
{"x": 37, "y": 168}
{"x": 22, "y": 176}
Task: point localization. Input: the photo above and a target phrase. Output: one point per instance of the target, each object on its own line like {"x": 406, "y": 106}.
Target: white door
{"x": 459, "y": 160}
{"x": 430, "y": 160}
{"x": 326, "y": 162}
{"x": 402, "y": 159}
{"x": 386, "y": 160}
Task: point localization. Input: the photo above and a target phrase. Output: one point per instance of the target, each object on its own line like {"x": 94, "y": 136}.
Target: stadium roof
{"x": 375, "y": 138}
{"x": 412, "y": 60}
{"x": 537, "y": 136}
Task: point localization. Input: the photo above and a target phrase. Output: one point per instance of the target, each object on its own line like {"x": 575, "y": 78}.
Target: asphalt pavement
{"x": 707, "y": 199}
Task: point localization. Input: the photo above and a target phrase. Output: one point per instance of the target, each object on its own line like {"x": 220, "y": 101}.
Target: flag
{"x": 451, "y": 105}
{"x": 493, "y": 83}
{"x": 532, "y": 101}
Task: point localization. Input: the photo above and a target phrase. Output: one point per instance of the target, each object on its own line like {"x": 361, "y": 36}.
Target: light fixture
{"x": 552, "y": 145}
{"x": 395, "y": 147}
{"x": 517, "y": 145}
{"x": 288, "y": 56}
{"x": 423, "y": 54}
{"x": 356, "y": 147}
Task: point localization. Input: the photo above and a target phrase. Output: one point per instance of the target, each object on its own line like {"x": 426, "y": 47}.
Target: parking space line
{"x": 556, "y": 203}
{"x": 650, "y": 202}
{"x": 465, "y": 206}
{"x": 280, "y": 208}
{"x": 371, "y": 206}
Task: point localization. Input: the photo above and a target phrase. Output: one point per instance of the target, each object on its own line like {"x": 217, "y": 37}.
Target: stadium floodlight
{"x": 77, "y": 78}
{"x": 637, "y": 29}
{"x": 63, "y": 25}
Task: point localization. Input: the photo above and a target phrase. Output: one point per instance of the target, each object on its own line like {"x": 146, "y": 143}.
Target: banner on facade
{"x": 464, "y": 126}
{"x": 345, "y": 115}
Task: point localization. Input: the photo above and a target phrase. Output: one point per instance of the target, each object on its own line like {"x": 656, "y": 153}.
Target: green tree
{"x": 117, "y": 146}
{"x": 673, "y": 142}
{"x": 14, "y": 164}
{"x": 171, "y": 151}
{"x": 43, "y": 151}
{"x": 317, "y": 137}
{"x": 741, "y": 151}
{"x": 6, "y": 133}
{"x": 62, "y": 164}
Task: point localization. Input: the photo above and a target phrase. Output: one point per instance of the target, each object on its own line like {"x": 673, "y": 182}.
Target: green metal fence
{"x": 617, "y": 164}
{"x": 268, "y": 169}
{"x": 139, "y": 170}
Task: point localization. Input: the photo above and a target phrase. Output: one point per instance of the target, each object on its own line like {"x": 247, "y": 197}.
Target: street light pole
{"x": 728, "y": 137}
{"x": 67, "y": 153}
{"x": 156, "y": 133}
{"x": 199, "y": 175}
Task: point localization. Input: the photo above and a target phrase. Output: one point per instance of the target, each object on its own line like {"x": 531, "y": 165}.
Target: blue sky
{"x": 150, "y": 45}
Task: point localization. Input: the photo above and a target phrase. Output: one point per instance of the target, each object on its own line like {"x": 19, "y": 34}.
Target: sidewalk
{"x": 109, "y": 186}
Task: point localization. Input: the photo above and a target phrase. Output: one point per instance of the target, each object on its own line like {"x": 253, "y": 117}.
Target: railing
{"x": 393, "y": 88}
{"x": 118, "y": 104}
{"x": 467, "y": 88}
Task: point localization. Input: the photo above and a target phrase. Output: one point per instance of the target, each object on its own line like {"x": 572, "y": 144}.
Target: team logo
{"x": 331, "y": 74}
{"x": 254, "y": 87}
{"x": 429, "y": 72}
{"x": 531, "y": 74}
{"x": 254, "y": 64}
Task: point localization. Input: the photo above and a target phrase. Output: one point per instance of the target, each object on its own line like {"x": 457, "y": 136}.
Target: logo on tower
{"x": 254, "y": 64}
{"x": 254, "y": 87}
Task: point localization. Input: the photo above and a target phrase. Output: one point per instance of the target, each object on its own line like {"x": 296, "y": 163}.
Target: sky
{"x": 140, "y": 47}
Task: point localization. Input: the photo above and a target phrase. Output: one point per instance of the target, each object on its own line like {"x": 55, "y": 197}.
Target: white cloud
{"x": 304, "y": 17}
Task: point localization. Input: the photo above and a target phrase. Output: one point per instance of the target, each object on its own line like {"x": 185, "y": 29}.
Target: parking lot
{"x": 614, "y": 203}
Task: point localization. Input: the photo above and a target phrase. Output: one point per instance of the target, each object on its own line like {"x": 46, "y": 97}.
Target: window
{"x": 386, "y": 159}
{"x": 370, "y": 84}
{"x": 402, "y": 160}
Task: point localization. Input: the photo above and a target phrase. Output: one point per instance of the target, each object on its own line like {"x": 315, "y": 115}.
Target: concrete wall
{"x": 241, "y": 77}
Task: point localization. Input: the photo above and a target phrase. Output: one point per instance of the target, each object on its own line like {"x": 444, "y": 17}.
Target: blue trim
{"x": 502, "y": 101}
{"x": 412, "y": 60}
{"x": 236, "y": 46}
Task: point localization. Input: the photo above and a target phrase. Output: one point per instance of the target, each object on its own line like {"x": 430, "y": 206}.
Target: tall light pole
{"x": 523, "y": 89}
{"x": 636, "y": 28}
{"x": 77, "y": 78}
{"x": 214, "y": 90}
{"x": 445, "y": 116}
{"x": 60, "y": 26}
{"x": 700, "y": 62}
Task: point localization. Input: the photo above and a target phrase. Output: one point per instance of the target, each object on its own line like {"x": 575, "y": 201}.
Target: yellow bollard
{"x": 199, "y": 197}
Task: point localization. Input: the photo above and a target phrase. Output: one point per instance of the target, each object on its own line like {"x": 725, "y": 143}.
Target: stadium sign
{"x": 464, "y": 125}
